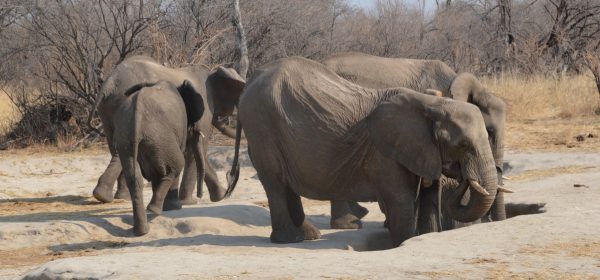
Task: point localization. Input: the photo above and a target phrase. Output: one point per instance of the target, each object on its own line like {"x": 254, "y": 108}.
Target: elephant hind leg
{"x": 122, "y": 191}
{"x": 172, "y": 199}
{"x": 134, "y": 180}
{"x": 284, "y": 229}
{"x": 160, "y": 189}
{"x": 342, "y": 216}
{"x": 103, "y": 191}
{"x": 299, "y": 219}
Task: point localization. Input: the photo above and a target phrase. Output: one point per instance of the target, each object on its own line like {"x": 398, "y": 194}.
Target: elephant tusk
{"x": 506, "y": 178}
{"x": 506, "y": 190}
{"x": 478, "y": 187}
{"x": 433, "y": 92}
{"x": 202, "y": 134}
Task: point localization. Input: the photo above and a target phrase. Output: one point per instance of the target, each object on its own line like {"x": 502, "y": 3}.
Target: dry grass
{"x": 539, "y": 97}
{"x": 574, "y": 134}
{"x": 8, "y": 113}
{"x": 534, "y": 174}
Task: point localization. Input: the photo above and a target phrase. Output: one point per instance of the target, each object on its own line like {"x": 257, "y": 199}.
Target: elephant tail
{"x": 234, "y": 174}
{"x": 138, "y": 110}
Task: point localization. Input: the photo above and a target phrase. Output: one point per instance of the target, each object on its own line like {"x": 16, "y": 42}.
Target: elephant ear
{"x": 405, "y": 132}
{"x": 194, "y": 104}
{"x": 465, "y": 86}
{"x": 225, "y": 86}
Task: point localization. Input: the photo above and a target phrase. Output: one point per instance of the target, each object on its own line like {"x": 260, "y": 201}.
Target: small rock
{"x": 580, "y": 138}
{"x": 580, "y": 186}
{"x": 591, "y": 135}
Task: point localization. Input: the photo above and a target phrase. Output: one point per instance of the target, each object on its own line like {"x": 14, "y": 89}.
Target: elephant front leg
{"x": 103, "y": 191}
{"x": 400, "y": 217}
{"x": 342, "y": 216}
{"x": 428, "y": 217}
{"x": 396, "y": 196}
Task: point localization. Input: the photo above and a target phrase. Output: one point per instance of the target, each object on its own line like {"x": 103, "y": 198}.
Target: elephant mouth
{"x": 452, "y": 170}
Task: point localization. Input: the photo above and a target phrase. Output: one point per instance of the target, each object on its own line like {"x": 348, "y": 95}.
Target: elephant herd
{"x": 424, "y": 142}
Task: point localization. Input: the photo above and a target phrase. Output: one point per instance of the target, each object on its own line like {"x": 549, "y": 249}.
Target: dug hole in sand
{"x": 51, "y": 228}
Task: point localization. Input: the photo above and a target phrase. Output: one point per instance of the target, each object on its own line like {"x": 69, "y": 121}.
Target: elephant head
{"x": 194, "y": 109}
{"x": 431, "y": 135}
{"x": 225, "y": 86}
{"x": 466, "y": 87}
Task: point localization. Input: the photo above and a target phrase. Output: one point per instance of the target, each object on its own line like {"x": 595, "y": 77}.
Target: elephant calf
{"x": 151, "y": 138}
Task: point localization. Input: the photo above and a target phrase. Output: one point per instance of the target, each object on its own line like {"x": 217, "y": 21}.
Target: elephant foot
{"x": 289, "y": 234}
{"x": 358, "y": 211}
{"x": 310, "y": 231}
{"x": 140, "y": 230}
{"x": 189, "y": 201}
{"x": 217, "y": 195}
{"x": 154, "y": 209}
{"x": 122, "y": 193}
{"x": 347, "y": 221}
{"x": 171, "y": 201}
{"x": 103, "y": 194}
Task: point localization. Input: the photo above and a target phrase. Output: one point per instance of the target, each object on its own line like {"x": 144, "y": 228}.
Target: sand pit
{"x": 51, "y": 227}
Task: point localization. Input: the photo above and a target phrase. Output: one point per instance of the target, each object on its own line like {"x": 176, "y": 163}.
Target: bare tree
{"x": 242, "y": 65}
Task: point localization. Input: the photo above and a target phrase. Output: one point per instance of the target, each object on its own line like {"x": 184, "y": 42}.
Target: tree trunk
{"x": 242, "y": 66}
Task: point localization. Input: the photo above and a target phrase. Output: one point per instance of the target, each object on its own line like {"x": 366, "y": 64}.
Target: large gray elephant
{"x": 152, "y": 129}
{"x": 421, "y": 75}
{"x": 220, "y": 89}
{"x": 312, "y": 133}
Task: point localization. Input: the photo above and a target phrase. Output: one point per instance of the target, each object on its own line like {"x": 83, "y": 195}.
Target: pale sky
{"x": 368, "y": 4}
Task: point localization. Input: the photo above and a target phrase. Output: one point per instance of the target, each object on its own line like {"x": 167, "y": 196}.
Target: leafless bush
{"x": 66, "y": 47}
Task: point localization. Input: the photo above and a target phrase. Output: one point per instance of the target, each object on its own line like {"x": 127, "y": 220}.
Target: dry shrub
{"x": 43, "y": 119}
{"x": 542, "y": 97}
{"x": 8, "y": 113}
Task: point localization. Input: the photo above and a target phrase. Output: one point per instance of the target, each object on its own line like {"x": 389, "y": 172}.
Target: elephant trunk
{"x": 498, "y": 210}
{"x": 479, "y": 175}
{"x": 221, "y": 125}
{"x": 199, "y": 159}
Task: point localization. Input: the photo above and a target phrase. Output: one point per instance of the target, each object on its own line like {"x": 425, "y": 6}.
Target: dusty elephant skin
{"x": 432, "y": 76}
{"x": 151, "y": 138}
{"x": 311, "y": 133}
{"x": 220, "y": 89}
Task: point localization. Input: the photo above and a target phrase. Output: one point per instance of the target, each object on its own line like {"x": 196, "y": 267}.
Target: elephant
{"x": 422, "y": 76}
{"x": 150, "y": 139}
{"x": 312, "y": 133}
{"x": 220, "y": 89}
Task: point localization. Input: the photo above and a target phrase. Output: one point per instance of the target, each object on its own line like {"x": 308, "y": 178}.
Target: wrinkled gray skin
{"x": 219, "y": 88}
{"x": 379, "y": 72}
{"x": 512, "y": 209}
{"x": 154, "y": 120}
{"x": 312, "y": 133}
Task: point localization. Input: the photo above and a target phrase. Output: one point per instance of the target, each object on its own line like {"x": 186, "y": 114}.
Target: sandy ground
{"x": 51, "y": 227}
